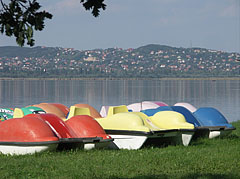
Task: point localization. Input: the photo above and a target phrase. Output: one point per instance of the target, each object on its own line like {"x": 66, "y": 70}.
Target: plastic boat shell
{"x": 60, "y": 128}
{"x": 62, "y": 107}
{"x": 75, "y": 111}
{"x": 64, "y": 112}
{"x": 132, "y": 130}
{"x": 187, "y": 114}
{"x": 187, "y": 106}
{"x": 77, "y": 132}
{"x": 52, "y": 109}
{"x": 110, "y": 110}
{"x": 6, "y": 113}
{"x": 152, "y": 104}
{"x": 151, "y": 112}
{"x": 93, "y": 112}
{"x": 212, "y": 118}
{"x": 127, "y": 130}
{"x": 207, "y": 121}
{"x": 201, "y": 131}
{"x": 139, "y": 128}
{"x": 86, "y": 126}
{"x": 137, "y": 139}
{"x": 149, "y": 105}
{"x": 20, "y": 136}
{"x": 137, "y": 107}
{"x": 134, "y": 107}
{"x": 171, "y": 120}
{"x": 21, "y": 112}
{"x": 207, "y": 117}
{"x": 24, "y": 148}
{"x": 123, "y": 121}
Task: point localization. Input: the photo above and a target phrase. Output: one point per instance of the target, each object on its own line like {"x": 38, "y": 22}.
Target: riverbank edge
{"x": 83, "y": 78}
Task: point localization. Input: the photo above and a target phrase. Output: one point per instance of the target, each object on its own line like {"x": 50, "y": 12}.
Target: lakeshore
{"x": 93, "y": 78}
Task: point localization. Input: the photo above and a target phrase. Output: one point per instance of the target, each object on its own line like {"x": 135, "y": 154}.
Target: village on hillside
{"x": 147, "y": 61}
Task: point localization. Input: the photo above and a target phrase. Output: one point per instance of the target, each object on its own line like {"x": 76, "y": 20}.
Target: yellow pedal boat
{"x": 133, "y": 130}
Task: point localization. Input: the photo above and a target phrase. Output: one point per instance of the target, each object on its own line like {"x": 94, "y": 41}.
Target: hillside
{"x": 147, "y": 61}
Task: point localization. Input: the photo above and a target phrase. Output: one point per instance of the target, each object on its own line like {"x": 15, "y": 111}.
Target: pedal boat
{"x": 137, "y": 107}
{"x": 206, "y": 117}
{"x": 20, "y": 136}
{"x": 53, "y": 108}
{"x": 77, "y": 132}
{"x": 135, "y": 130}
{"x": 6, "y": 113}
{"x": 208, "y": 122}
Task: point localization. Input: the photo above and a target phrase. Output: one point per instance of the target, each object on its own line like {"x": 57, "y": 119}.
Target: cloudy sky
{"x": 213, "y": 24}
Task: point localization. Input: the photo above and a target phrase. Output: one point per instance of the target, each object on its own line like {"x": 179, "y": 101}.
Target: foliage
{"x": 95, "y": 5}
{"x": 20, "y": 18}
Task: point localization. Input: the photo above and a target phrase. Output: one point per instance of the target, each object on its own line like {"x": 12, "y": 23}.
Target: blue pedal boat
{"x": 208, "y": 121}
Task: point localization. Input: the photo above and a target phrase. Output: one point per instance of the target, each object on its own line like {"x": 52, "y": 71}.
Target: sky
{"x": 212, "y": 24}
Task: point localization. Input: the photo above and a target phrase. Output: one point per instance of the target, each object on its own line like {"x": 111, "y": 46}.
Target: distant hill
{"x": 15, "y": 51}
{"x": 154, "y": 47}
{"x": 151, "y": 60}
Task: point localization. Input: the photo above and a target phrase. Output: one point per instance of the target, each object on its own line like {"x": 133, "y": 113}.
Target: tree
{"x": 20, "y": 18}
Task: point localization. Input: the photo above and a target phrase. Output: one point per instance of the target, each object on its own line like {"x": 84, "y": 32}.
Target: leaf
{"x": 21, "y": 17}
{"x": 2, "y": 29}
{"x": 20, "y": 39}
{"x": 8, "y": 30}
{"x": 95, "y": 5}
{"x": 29, "y": 31}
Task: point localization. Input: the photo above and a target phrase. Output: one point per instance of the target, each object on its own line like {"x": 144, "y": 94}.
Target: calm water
{"x": 221, "y": 94}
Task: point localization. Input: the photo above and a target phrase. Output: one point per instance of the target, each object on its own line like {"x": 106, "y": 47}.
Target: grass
{"x": 204, "y": 158}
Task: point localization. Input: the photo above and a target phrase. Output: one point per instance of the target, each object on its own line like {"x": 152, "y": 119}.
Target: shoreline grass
{"x": 204, "y": 158}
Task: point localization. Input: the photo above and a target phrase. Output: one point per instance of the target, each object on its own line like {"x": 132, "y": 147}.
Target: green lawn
{"x": 204, "y": 158}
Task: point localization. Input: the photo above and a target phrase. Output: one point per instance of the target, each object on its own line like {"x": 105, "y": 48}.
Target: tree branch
{"x": 4, "y": 6}
{"x": 20, "y": 17}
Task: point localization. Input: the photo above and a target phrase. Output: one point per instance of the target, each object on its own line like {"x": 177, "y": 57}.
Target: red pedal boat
{"x": 28, "y": 135}
{"x": 79, "y": 131}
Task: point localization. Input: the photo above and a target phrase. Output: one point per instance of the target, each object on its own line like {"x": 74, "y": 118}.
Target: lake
{"x": 223, "y": 95}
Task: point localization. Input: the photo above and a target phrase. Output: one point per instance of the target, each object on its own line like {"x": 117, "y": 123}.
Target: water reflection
{"x": 221, "y": 94}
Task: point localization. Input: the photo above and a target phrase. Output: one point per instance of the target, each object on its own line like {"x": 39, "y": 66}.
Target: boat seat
{"x": 18, "y": 113}
{"x": 74, "y": 111}
{"x": 117, "y": 109}
{"x": 94, "y": 113}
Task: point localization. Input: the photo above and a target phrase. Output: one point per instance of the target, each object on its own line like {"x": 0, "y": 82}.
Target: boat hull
{"x": 137, "y": 139}
{"x": 212, "y": 132}
{"x": 28, "y": 135}
{"x": 102, "y": 144}
{"x": 83, "y": 143}
{"x": 171, "y": 137}
{"x": 221, "y": 132}
{"x": 23, "y": 148}
{"x": 130, "y": 142}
